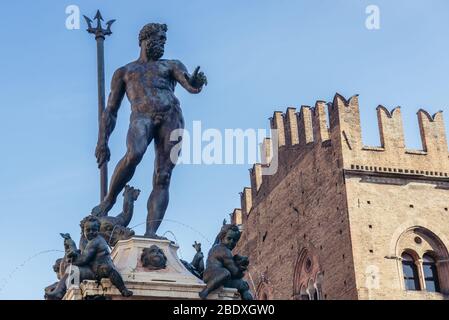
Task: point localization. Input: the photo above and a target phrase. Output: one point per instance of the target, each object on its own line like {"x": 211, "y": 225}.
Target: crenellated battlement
{"x": 433, "y": 133}
{"x": 392, "y": 151}
{"x": 306, "y": 134}
{"x": 320, "y": 126}
{"x": 305, "y": 125}
{"x": 390, "y": 129}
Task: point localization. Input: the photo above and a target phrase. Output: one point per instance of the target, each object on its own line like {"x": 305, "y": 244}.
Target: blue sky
{"x": 259, "y": 56}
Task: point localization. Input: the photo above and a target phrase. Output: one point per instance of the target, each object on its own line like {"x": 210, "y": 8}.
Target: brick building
{"x": 340, "y": 220}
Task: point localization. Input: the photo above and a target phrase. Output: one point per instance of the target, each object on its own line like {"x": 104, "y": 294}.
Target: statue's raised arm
{"x": 194, "y": 82}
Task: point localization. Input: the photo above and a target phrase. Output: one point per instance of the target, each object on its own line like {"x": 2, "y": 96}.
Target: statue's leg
{"x": 117, "y": 281}
{"x": 59, "y": 291}
{"x": 139, "y": 137}
{"x": 242, "y": 287}
{"x": 163, "y": 167}
{"x": 50, "y": 288}
{"x": 214, "y": 281}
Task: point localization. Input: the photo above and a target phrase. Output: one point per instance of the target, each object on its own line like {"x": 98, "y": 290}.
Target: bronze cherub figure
{"x": 224, "y": 269}
{"x": 93, "y": 261}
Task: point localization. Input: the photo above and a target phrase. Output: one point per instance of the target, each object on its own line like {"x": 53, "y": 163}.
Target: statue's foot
{"x": 203, "y": 294}
{"x": 126, "y": 293}
{"x": 55, "y": 295}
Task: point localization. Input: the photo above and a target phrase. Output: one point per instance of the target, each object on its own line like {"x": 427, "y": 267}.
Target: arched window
{"x": 425, "y": 261}
{"x": 307, "y": 281}
{"x": 311, "y": 291}
{"x": 410, "y": 270}
{"x": 318, "y": 285}
{"x": 304, "y": 295}
{"x": 264, "y": 290}
{"x": 430, "y": 273}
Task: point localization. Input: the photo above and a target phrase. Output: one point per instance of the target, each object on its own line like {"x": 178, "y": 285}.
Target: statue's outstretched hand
{"x": 197, "y": 246}
{"x": 198, "y": 79}
{"x": 102, "y": 153}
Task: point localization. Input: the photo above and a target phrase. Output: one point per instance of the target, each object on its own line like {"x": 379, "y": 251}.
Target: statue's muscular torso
{"x": 150, "y": 86}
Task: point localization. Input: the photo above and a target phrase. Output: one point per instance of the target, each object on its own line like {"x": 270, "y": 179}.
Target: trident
{"x": 100, "y": 36}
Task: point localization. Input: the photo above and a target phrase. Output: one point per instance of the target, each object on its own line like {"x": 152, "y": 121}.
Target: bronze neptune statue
{"x": 149, "y": 83}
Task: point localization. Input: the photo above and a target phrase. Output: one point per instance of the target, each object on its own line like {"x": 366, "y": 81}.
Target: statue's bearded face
{"x": 155, "y": 45}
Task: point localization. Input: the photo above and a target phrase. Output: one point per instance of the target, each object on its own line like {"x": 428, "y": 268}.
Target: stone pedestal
{"x": 172, "y": 282}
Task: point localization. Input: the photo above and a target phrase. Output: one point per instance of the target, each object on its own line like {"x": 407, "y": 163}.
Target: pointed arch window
{"x": 430, "y": 273}
{"x": 410, "y": 270}
{"x": 303, "y": 294}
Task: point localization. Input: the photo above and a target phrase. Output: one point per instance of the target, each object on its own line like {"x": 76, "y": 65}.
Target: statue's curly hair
{"x": 90, "y": 219}
{"x": 224, "y": 230}
{"x": 149, "y": 29}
